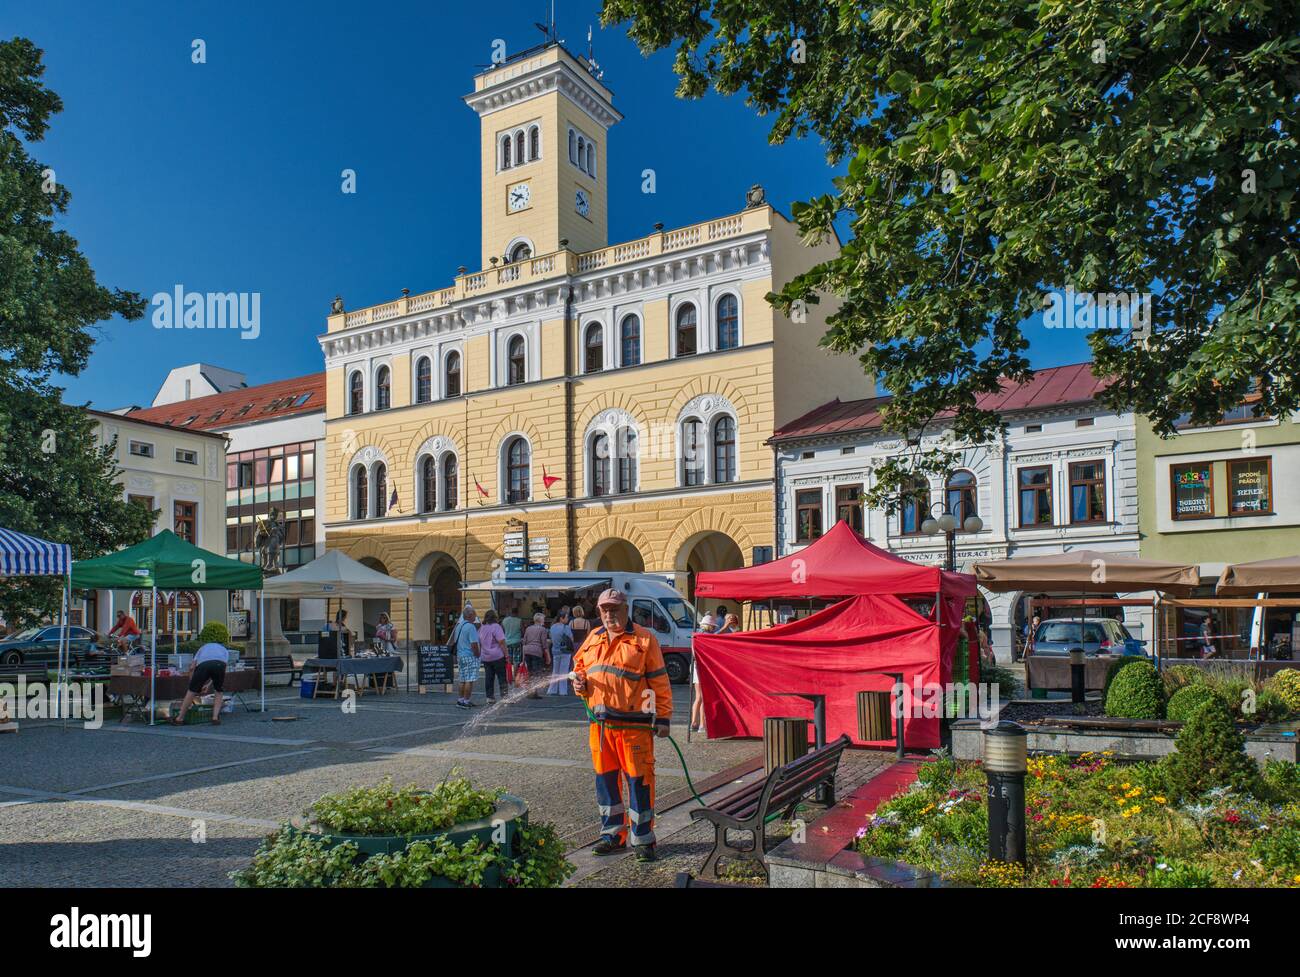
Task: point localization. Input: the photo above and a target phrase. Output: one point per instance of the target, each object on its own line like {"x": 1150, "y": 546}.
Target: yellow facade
{"x": 658, "y": 515}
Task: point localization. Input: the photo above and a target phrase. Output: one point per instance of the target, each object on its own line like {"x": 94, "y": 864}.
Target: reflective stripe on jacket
{"x": 626, "y": 677}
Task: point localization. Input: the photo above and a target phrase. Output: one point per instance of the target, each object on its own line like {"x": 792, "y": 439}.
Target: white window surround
{"x": 607, "y": 357}
{"x": 437, "y": 448}
{"x": 422, "y": 353}
{"x": 515, "y": 242}
{"x": 529, "y": 332}
{"x": 579, "y": 140}
{"x": 513, "y": 135}
{"x": 620, "y": 313}
{"x": 715, "y": 296}
{"x": 703, "y": 320}
{"x": 349, "y": 371}
{"x": 369, "y": 458}
{"x": 440, "y": 377}
{"x": 381, "y": 364}
{"x": 707, "y": 408}
{"x": 609, "y": 422}
{"x": 503, "y": 467}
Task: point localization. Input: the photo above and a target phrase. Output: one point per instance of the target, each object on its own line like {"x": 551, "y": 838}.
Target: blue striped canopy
{"x": 26, "y": 556}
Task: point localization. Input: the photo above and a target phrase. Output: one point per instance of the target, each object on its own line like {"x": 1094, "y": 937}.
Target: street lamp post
{"x": 948, "y": 525}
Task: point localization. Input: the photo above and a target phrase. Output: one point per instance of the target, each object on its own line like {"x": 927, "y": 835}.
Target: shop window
{"x": 1035, "y": 496}
{"x": 1250, "y": 487}
{"x": 807, "y": 515}
{"x": 1192, "y": 490}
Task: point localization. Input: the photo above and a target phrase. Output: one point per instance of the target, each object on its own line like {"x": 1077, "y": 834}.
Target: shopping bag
{"x": 510, "y": 671}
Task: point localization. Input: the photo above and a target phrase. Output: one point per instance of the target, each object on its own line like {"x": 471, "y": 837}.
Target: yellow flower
{"x": 1125, "y": 785}
{"x": 1158, "y": 799}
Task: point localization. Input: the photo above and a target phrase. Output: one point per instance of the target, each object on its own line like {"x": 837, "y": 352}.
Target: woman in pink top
{"x": 492, "y": 647}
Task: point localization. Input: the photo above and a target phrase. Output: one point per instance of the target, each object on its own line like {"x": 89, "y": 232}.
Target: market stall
{"x": 27, "y": 556}
{"x": 167, "y": 562}
{"x": 892, "y": 616}
{"x": 336, "y": 575}
{"x": 1082, "y": 572}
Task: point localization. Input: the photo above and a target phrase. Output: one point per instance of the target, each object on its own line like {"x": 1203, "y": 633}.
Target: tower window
{"x": 573, "y": 147}
{"x": 591, "y": 159}
{"x": 520, "y": 252}
{"x": 519, "y": 147}
{"x": 534, "y": 143}
{"x": 505, "y": 153}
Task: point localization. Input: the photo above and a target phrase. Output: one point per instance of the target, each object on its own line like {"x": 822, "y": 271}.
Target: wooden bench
{"x": 280, "y": 665}
{"x": 748, "y": 808}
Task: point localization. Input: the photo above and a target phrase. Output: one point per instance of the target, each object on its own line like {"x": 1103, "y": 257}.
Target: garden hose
{"x": 604, "y": 725}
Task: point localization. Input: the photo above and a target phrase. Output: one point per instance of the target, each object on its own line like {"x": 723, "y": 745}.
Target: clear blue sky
{"x": 225, "y": 176}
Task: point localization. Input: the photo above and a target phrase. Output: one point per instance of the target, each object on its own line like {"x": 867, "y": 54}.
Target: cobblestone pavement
{"x": 137, "y": 805}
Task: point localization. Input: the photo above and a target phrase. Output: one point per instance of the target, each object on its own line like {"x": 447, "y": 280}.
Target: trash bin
{"x": 307, "y": 687}
{"x": 785, "y": 738}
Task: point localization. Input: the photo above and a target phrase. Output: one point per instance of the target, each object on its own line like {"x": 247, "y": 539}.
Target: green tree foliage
{"x": 1210, "y": 753}
{"x": 998, "y": 151}
{"x": 55, "y": 480}
{"x": 1185, "y": 702}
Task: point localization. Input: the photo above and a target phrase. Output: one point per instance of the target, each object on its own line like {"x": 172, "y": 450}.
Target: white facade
{"x": 197, "y": 380}
{"x": 1051, "y": 439}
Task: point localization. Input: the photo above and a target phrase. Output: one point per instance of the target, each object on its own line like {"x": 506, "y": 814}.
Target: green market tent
{"x": 167, "y": 562}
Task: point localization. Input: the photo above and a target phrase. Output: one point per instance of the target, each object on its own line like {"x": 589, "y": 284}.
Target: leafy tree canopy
{"x": 56, "y": 481}
{"x": 1000, "y": 150}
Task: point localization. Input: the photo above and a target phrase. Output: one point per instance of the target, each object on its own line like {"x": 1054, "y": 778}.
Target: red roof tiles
{"x": 1050, "y": 387}
{"x": 247, "y": 405}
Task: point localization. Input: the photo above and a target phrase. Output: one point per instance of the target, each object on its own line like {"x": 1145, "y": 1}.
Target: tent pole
{"x": 261, "y": 642}
{"x": 65, "y": 645}
{"x": 153, "y": 653}
{"x": 408, "y": 641}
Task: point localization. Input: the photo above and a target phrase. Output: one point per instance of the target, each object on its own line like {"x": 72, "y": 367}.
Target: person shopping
{"x": 707, "y": 626}
{"x": 492, "y": 656}
{"x": 465, "y": 640}
{"x": 561, "y": 653}
{"x": 537, "y": 651}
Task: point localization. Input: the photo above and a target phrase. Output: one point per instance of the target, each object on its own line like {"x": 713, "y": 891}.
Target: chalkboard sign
{"x": 435, "y": 665}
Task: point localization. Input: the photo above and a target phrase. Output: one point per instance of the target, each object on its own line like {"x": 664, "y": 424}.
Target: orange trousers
{"x": 617, "y": 754}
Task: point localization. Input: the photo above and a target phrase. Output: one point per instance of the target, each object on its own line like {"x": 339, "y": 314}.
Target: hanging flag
{"x": 392, "y": 502}
{"x": 481, "y": 490}
{"x": 549, "y": 480}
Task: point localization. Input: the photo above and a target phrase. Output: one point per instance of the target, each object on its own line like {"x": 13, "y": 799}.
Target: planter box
{"x": 511, "y": 810}
{"x": 1139, "y": 740}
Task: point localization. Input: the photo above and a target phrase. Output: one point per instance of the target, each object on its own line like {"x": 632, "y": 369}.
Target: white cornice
{"x": 556, "y": 76}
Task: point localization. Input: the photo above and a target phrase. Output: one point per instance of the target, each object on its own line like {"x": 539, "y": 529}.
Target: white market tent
{"x": 336, "y": 575}
{"x": 27, "y": 556}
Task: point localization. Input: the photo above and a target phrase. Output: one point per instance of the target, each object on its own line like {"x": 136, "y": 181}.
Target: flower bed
{"x": 1094, "y": 822}
{"x": 451, "y": 836}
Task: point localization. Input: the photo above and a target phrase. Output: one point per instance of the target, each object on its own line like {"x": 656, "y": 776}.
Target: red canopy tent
{"x": 839, "y": 564}
{"x": 839, "y": 651}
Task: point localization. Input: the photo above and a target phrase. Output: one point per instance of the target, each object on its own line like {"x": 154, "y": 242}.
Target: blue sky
{"x": 225, "y": 176}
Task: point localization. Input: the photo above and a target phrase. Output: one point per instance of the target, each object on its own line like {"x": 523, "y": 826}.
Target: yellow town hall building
{"x": 616, "y": 399}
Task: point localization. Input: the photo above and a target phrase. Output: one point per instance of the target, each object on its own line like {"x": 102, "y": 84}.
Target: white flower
{"x": 915, "y": 832}
{"x": 1163, "y": 866}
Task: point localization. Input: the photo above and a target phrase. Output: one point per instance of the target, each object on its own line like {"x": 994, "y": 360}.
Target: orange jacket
{"x": 626, "y": 677}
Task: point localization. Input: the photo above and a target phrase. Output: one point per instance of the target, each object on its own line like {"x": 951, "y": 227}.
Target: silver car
{"x": 1101, "y": 636}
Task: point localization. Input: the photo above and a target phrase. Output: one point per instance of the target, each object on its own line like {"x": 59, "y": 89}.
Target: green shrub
{"x": 1210, "y": 753}
{"x": 1180, "y": 676}
{"x": 1279, "y": 849}
{"x": 1280, "y": 781}
{"x": 1286, "y": 684}
{"x": 1270, "y": 707}
{"x": 1186, "y": 701}
{"x": 1136, "y": 692}
{"x": 388, "y": 810}
{"x": 1181, "y": 875}
{"x": 1113, "y": 670}
{"x": 214, "y": 631}
{"x": 1004, "y": 678}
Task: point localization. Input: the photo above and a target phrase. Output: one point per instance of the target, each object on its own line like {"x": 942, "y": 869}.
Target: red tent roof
{"x": 840, "y": 564}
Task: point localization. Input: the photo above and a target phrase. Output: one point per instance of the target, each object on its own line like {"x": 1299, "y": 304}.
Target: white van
{"x": 653, "y": 603}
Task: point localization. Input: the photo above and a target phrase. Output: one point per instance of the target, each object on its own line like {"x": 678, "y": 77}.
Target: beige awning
{"x": 1262, "y": 576}
{"x": 1087, "y": 572}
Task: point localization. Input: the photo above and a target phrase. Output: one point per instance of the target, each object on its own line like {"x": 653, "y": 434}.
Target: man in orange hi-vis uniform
{"x": 620, "y": 671}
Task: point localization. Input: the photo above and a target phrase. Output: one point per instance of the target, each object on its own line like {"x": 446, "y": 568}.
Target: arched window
{"x": 361, "y": 494}
{"x": 600, "y": 464}
{"x": 724, "y": 449}
{"x": 629, "y": 336}
{"x": 356, "y": 394}
{"x": 728, "y": 323}
{"x": 519, "y": 148}
{"x": 686, "y": 330}
{"x": 381, "y": 489}
{"x": 594, "y": 349}
{"x": 428, "y": 484}
{"x": 451, "y": 384}
{"x": 505, "y": 153}
{"x": 450, "y": 495}
{"x": 534, "y": 143}
{"x": 424, "y": 380}
{"x": 516, "y": 361}
{"x": 915, "y": 508}
{"x": 591, "y": 159}
{"x": 573, "y": 147}
{"x": 518, "y": 480}
{"x": 960, "y": 495}
{"x": 693, "y": 451}
{"x": 627, "y": 451}
{"x": 383, "y": 389}
{"x": 582, "y": 151}
{"x": 520, "y": 252}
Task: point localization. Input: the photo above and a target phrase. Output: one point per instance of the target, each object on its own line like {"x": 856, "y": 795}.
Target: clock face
{"x": 580, "y": 202}
{"x": 518, "y": 196}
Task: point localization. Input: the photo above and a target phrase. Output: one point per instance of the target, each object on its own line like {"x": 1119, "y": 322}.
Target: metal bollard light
{"x": 1006, "y": 762}
{"x": 1076, "y": 677}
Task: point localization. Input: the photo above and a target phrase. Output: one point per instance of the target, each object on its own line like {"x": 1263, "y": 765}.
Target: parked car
{"x": 1101, "y": 636}
{"x": 41, "y": 645}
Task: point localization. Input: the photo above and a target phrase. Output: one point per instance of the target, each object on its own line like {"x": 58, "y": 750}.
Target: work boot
{"x": 646, "y": 853}
{"x": 608, "y": 846}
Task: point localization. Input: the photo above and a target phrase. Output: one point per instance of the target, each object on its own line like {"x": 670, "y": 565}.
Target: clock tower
{"x": 544, "y": 119}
